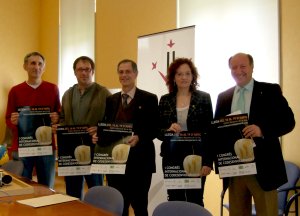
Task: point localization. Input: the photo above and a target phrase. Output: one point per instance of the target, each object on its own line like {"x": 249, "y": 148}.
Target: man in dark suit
{"x": 270, "y": 117}
{"x": 141, "y": 109}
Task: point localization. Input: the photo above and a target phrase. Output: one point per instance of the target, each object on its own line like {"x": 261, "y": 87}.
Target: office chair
{"x": 180, "y": 208}
{"x": 293, "y": 173}
{"x": 284, "y": 204}
{"x": 105, "y": 197}
{"x": 13, "y": 166}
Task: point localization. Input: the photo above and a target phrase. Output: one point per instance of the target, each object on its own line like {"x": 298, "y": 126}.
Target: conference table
{"x": 9, "y": 206}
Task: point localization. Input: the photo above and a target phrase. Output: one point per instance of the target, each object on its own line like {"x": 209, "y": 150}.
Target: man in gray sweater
{"x": 83, "y": 104}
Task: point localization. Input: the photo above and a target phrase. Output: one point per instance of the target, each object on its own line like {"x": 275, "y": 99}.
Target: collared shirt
{"x": 247, "y": 94}
{"x": 130, "y": 94}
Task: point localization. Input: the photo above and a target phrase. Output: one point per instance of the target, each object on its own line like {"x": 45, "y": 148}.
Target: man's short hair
{"x": 84, "y": 58}
{"x": 251, "y": 61}
{"x": 133, "y": 64}
{"x": 33, "y": 54}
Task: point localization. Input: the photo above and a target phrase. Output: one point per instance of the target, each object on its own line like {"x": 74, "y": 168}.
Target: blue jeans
{"x": 74, "y": 184}
{"x": 44, "y": 166}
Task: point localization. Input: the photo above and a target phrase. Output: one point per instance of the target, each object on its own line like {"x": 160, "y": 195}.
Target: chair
{"x": 105, "y": 197}
{"x": 293, "y": 173}
{"x": 180, "y": 208}
{"x": 294, "y": 199}
{"x": 284, "y": 203}
{"x": 13, "y": 166}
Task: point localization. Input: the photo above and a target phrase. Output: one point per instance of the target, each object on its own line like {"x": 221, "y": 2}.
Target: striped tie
{"x": 125, "y": 97}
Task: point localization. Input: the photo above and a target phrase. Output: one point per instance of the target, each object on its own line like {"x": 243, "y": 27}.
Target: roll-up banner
{"x": 155, "y": 53}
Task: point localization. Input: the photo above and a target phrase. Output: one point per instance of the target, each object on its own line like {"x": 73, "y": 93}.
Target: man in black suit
{"x": 142, "y": 111}
{"x": 270, "y": 117}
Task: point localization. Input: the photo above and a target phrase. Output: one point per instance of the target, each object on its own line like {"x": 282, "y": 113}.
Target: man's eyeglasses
{"x": 84, "y": 69}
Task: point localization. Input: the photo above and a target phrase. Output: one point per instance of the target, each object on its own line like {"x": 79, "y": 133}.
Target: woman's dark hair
{"x": 172, "y": 71}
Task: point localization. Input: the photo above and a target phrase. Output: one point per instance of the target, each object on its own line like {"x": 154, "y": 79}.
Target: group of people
{"x": 184, "y": 108}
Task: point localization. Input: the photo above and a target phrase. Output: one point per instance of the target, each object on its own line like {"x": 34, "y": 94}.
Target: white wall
{"x": 76, "y": 37}
{"x": 225, "y": 27}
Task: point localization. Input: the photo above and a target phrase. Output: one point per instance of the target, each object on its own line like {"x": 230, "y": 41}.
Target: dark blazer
{"x": 145, "y": 123}
{"x": 270, "y": 111}
{"x": 199, "y": 117}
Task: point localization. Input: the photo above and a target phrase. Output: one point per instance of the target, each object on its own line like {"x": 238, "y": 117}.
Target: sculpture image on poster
{"x": 112, "y": 150}
{"x": 74, "y": 150}
{"x": 183, "y": 163}
{"x": 234, "y": 153}
{"x": 34, "y": 130}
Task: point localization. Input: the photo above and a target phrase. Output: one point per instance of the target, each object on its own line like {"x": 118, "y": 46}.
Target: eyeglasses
{"x": 84, "y": 69}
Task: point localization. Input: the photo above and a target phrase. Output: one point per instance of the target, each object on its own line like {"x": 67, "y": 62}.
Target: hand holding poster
{"x": 75, "y": 150}
{"x": 112, "y": 150}
{"x": 35, "y": 132}
{"x": 182, "y": 165}
{"x": 234, "y": 152}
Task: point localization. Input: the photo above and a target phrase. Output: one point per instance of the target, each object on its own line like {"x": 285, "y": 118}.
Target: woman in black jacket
{"x": 185, "y": 108}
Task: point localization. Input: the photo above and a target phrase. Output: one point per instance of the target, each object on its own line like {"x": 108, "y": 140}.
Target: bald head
{"x": 250, "y": 58}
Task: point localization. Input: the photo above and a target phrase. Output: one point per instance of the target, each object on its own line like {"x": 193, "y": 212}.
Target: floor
{"x": 59, "y": 185}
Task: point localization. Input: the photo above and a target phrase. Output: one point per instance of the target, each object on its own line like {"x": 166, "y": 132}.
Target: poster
{"x": 112, "y": 150}
{"x": 75, "y": 150}
{"x": 234, "y": 153}
{"x": 182, "y": 163}
{"x": 34, "y": 130}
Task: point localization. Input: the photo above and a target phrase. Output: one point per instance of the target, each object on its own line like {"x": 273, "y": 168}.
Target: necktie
{"x": 241, "y": 100}
{"x": 125, "y": 97}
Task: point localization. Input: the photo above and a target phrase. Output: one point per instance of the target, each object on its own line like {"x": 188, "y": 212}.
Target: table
{"x": 9, "y": 206}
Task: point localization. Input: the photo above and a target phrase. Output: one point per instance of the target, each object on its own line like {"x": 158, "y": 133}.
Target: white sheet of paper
{"x": 47, "y": 200}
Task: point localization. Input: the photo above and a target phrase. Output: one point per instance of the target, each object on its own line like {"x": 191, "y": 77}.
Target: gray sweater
{"x": 94, "y": 107}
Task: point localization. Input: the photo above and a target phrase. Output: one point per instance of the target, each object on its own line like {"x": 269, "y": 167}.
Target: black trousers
{"x": 134, "y": 188}
{"x": 75, "y": 184}
{"x": 189, "y": 195}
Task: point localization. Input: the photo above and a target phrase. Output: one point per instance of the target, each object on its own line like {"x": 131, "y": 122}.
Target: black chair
{"x": 284, "y": 203}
